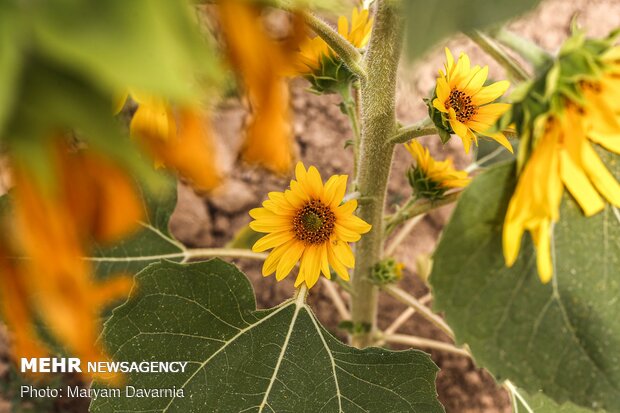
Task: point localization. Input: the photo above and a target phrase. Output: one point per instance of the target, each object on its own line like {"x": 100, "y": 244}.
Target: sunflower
{"x": 321, "y": 65}
{"x": 563, "y": 156}
{"x": 465, "y": 103}
{"x": 308, "y": 223}
{"x": 431, "y": 178}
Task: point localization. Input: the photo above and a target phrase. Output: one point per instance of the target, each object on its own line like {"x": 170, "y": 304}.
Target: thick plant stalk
{"x": 378, "y": 92}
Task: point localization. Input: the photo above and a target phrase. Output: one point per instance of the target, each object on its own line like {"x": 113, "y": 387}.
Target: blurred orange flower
{"x": 181, "y": 140}
{"x": 92, "y": 199}
{"x": 262, "y": 63}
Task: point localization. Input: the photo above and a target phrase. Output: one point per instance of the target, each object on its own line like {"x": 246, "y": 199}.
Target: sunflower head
{"x": 430, "y": 178}
{"x": 308, "y": 223}
{"x": 561, "y": 117}
{"x": 318, "y": 63}
{"x": 585, "y": 76}
{"x": 462, "y": 104}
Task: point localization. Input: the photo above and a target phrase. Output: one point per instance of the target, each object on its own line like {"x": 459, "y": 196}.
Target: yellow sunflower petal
{"x": 542, "y": 241}
{"x": 311, "y": 264}
{"x": 272, "y": 240}
{"x": 288, "y": 260}
{"x": 490, "y": 93}
{"x": 580, "y": 187}
{"x": 314, "y": 182}
{"x": 443, "y": 93}
{"x": 609, "y": 142}
{"x": 343, "y": 252}
{"x": 324, "y": 261}
{"x": 335, "y": 263}
{"x": 439, "y": 105}
{"x": 355, "y": 224}
{"x": 347, "y": 208}
{"x": 271, "y": 263}
{"x": 600, "y": 176}
{"x": 345, "y": 233}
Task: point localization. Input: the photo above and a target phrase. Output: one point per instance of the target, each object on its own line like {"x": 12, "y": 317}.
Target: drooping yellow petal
{"x": 580, "y": 187}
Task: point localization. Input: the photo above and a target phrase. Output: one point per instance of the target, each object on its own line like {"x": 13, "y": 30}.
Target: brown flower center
{"x": 314, "y": 223}
{"x": 461, "y": 103}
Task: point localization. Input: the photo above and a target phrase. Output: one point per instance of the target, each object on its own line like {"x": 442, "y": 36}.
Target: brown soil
{"x": 321, "y": 131}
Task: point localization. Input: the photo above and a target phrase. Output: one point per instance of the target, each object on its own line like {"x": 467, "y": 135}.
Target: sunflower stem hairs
{"x": 567, "y": 112}
{"x": 308, "y": 223}
{"x": 462, "y": 104}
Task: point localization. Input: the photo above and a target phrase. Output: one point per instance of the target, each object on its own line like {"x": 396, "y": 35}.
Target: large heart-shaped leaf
{"x": 241, "y": 359}
{"x": 563, "y": 337}
{"x": 539, "y": 403}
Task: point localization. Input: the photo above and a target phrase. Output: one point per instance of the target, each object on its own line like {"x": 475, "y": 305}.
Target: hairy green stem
{"x": 424, "y": 127}
{"x": 195, "y": 253}
{"x": 378, "y": 101}
{"x": 345, "y": 50}
{"x": 413, "y": 209}
{"x": 490, "y": 46}
{"x": 349, "y": 107}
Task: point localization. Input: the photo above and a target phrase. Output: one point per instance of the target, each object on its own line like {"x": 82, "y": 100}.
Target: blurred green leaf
{"x": 52, "y": 102}
{"x": 562, "y": 337}
{"x": 246, "y": 237}
{"x": 10, "y": 61}
{"x": 489, "y": 152}
{"x": 243, "y": 359}
{"x": 148, "y": 45}
{"x": 429, "y": 22}
{"x": 539, "y": 403}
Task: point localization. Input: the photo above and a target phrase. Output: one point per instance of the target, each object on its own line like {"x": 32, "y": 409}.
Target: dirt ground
{"x": 320, "y": 134}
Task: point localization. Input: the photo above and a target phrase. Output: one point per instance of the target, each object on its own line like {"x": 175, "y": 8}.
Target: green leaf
{"x": 246, "y": 237}
{"x": 243, "y": 359}
{"x": 148, "y": 45}
{"x": 151, "y": 243}
{"x": 489, "y": 152}
{"x": 429, "y": 22}
{"x": 539, "y": 403}
{"x": 10, "y": 61}
{"x": 52, "y": 100}
{"x": 562, "y": 337}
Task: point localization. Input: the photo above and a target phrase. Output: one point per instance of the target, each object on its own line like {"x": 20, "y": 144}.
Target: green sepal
{"x": 444, "y": 130}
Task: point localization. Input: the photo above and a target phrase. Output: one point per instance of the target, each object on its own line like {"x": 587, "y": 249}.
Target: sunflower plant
{"x": 103, "y": 109}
